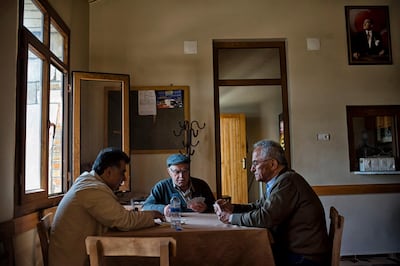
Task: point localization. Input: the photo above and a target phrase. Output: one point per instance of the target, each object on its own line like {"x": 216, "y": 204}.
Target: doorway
{"x": 249, "y": 79}
{"x": 233, "y": 157}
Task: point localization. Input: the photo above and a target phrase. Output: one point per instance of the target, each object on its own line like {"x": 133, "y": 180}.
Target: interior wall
{"x": 126, "y": 38}
{"x": 146, "y": 41}
{"x": 8, "y": 52}
{"x": 253, "y": 135}
{"x": 93, "y": 121}
{"x": 75, "y": 14}
{"x": 370, "y": 222}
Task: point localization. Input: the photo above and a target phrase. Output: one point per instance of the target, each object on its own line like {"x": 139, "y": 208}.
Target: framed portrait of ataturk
{"x": 368, "y": 35}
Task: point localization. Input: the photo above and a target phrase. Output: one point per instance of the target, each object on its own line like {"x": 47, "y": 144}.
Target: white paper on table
{"x": 147, "y": 102}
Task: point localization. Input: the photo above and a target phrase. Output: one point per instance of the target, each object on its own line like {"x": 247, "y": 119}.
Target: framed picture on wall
{"x": 368, "y": 35}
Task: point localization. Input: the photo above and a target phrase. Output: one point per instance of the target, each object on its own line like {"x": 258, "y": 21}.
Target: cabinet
{"x": 373, "y": 138}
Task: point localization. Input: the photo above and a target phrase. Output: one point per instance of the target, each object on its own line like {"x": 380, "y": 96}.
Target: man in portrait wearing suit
{"x": 367, "y": 43}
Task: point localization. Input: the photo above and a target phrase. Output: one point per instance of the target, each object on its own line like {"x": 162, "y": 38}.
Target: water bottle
{"x": 175, "y": 210}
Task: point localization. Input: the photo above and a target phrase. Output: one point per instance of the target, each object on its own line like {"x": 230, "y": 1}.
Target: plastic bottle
{"x": 175, "y": 209}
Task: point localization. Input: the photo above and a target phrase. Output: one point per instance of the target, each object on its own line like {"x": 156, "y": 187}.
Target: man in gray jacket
{"x": 290, "y": 209}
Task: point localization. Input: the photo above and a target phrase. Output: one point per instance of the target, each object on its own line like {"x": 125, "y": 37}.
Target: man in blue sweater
{"x": 194, "y": 193}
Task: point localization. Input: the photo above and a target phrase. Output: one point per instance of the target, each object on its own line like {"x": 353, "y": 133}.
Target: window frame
{"x": 28, "y": 202}
{"x": 364, "y": 111}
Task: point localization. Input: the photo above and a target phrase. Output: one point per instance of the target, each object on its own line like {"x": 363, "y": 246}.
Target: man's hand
{"x": 224, "y": 217}
{"x": 223, "y": 209}
{"x": 158, "y": 215}
{"x": 223, "y": 205}
{"x": 198, "y": 206}
{"x": 167, "y": 210}
{"x": 356, "y": 55}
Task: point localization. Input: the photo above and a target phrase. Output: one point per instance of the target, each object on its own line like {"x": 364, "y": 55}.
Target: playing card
{"x": 196, "y": 200}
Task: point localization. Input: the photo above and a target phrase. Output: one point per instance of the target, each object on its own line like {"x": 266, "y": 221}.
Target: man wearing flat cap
{"x": 194, "y": 193}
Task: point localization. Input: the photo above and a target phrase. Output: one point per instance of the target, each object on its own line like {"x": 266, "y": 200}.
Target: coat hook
{"x": 189, "y": 130}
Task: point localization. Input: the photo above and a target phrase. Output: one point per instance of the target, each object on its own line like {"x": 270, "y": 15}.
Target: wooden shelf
{"x": 376, "y": 173}
{"x": 357, "y": 189}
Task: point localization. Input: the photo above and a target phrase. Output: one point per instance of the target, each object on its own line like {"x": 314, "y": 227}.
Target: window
{"x": 373, "y": 135}
{"x": 42, "y": 98}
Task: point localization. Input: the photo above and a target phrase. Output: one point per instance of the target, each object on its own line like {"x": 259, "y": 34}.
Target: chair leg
{"x": 164, "y": 253}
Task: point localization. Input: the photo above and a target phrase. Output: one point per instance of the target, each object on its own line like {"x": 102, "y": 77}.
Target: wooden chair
{"x": 97, "y": 247}
{"x": 335, "y": 235}
{"x": 7, "y": 230}
{"x": 43, "y": 228}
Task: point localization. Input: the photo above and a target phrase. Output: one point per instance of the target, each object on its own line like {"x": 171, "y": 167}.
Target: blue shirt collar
{"x": 269, "y": 185}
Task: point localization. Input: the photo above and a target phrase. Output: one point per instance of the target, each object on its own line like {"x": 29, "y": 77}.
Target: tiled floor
{"x": 370, "y": 260}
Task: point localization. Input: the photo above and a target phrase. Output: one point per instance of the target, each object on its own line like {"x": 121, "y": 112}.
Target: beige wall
{"x": 8, "y": 66}
{"x": 145, "y": 40}
{"x": 75, "y": 15}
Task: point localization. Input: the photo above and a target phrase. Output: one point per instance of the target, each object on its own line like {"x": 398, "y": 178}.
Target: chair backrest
{"x": 97, "y": 247}
{"x": 335, "y": 235}
{"x": 43, "y": 229}
{"x": 7, "y": 230}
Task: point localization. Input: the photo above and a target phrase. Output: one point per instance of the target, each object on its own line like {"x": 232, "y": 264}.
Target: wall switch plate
{"x": 313, "y": 44}
{"x": 323, "y": 136}
{"x": 190, "y": 47}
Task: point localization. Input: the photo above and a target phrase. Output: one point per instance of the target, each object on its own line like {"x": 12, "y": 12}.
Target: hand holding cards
{"x": 196, "y": 200}
{"x": 197, "y": 204}
{"x": 223, "y": 209}
{"x": 222, "y": 205}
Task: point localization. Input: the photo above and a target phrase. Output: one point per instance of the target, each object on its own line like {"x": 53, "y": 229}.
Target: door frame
{"x": 282, "y": 81}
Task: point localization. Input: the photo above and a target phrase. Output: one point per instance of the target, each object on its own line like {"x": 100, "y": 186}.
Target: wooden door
{"x": 233, "y": 157}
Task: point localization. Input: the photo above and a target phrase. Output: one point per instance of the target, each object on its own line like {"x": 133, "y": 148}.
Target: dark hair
{"x": 271, "y": 149}
{"x": 107, "y": 157}
{"x": 370, "y": 20}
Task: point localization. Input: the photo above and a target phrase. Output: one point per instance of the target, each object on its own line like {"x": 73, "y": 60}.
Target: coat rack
{"x": 190, "y": 130}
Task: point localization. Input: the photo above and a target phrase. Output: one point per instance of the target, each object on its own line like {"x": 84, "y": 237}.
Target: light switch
{"x": 323, "y": 136}
{"x": 313, "y": 44}
{"x": 190, "y": 47}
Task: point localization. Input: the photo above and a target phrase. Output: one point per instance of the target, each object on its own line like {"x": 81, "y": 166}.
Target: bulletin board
{"x": 156, "y": 133}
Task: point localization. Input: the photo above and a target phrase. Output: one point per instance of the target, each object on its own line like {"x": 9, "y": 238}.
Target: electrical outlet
{"x": 323, "y": 136}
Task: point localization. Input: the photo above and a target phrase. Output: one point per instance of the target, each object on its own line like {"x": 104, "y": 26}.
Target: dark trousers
{"x": 288, "y": 258}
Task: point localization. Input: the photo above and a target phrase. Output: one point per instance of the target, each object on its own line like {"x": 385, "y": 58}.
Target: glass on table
{"x": 136, "y": 205}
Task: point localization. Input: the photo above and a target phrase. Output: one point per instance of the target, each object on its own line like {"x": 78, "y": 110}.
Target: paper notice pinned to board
{"x": 147, "y": 102}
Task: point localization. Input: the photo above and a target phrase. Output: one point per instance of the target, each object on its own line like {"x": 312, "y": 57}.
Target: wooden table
{"x": 204, "y": 240}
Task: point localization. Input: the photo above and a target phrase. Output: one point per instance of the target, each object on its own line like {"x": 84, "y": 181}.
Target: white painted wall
{"x": 370, "y": 222}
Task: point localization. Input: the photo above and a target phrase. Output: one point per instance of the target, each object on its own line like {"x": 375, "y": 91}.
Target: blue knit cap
{"x": 177, "y": 159}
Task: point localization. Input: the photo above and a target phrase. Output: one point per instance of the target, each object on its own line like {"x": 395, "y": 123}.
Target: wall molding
{"x": 356, "y": 189}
